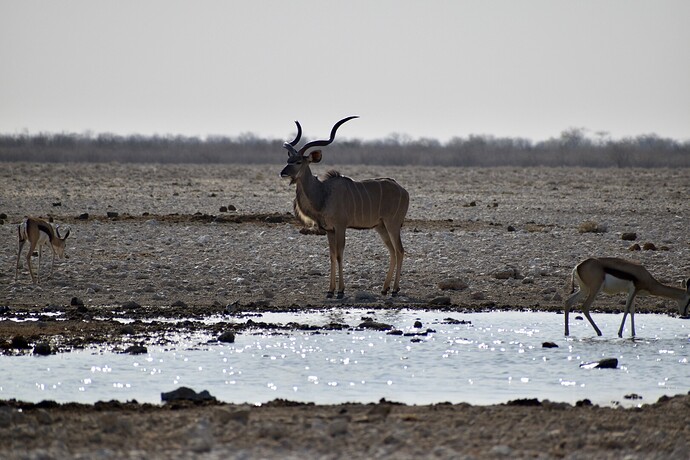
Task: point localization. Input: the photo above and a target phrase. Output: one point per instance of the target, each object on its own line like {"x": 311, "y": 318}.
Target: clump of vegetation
{"x": 571, "y": 148}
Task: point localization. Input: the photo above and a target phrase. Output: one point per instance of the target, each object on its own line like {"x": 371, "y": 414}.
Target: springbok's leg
{"x": 585, "y": 309}
{"x": 19, "y": 255}
{"x": 381, "y": 229}
{"x": 32, "y": 248}
{"x": 629, "y": 308}
{"x": 572, "y": 300}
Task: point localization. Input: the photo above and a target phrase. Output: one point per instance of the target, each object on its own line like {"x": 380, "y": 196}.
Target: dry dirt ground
{"x": 151, "y": 241}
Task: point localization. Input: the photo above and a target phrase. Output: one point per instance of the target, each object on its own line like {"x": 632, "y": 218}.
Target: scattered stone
{"x": 57, "y": 204}
{"x": 456, "y": 321}
{"x": 606, "y": 363}
{"x": 629, "y": 236}
{"x": 526, "y": 402}
{"x": 127, "y": 330}
{"x": 42, "y": 349}
{"x": 83, "y": 216}
{"x": 583, "y": 403}
{"x": 179, "y": 303}
{"x": 455, "y": 284}
{"x": 223, "y": 209}
{"x": 442, "y": 301}
{"x": 363, "y": 296}
{"x": 131, "y": 305}
{"x": 136, "y": 350}
{"x": 227, "y": 337}
{"x": 76, "y": 302}
{"x": 549, "y": 345}
{"x": 186, "y": 394}
{"x": 338, "y": 427}
{"x": 478, "y": 295}
{"x": 232, "y": 207}
{"x": 506, "y": 273}
{"x": 649, "y": 247}
{"x": 18, "y": 342}
{"x": 417, "y": 325}
{"x": 371, "y": 324}
{"x": 112, "y": 214}
{"x": 635, "y": 247}
{"x": 511, "y": 228}
{"x": 590, "y": 226}
{"x": 633, "y": 396}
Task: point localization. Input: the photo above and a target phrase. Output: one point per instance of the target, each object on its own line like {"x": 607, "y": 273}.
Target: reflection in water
{"x": 491, "y": 358}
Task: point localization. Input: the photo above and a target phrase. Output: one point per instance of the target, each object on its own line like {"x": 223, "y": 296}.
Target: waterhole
{"x": 477, "y": 358}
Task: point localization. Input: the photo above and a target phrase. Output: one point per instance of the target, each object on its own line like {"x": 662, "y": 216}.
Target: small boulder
{"x": 549, "y": 345}
{"x": 227, "y": 337}
{"x": 649, "y": 247}
{"x": 455, "y": 284}
{"x": 440, "y": 301}
{"x": 42, "y": 349}
{"x": 131, "y": 305}
{"x": 136, "y": 350}
{"x": 629, "y": 236}
{"x": 186, "y": 394}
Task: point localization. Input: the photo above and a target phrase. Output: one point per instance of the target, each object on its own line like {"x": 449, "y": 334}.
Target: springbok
{"x": 612, "y": 275}
{"x": 338, "y": 202}
{"x": 39, "y": 233}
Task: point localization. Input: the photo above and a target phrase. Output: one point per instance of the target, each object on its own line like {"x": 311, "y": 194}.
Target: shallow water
{"x": 497, "y": 358}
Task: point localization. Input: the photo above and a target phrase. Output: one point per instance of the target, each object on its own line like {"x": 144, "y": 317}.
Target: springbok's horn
{"x": 323, "y": 143}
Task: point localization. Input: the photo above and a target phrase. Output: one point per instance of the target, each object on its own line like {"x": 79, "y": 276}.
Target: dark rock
{"x": 19, "y": 342}
{"x": 136, "y": 350}
{"x": 511, "y": 228}
{"x": 179, "y": 303}
{"x": 223, "y": 209}
{"x": 127, "y": 330}
{"x": 76, "y": 301}
{"x": 417, "y": 324}
{"x": 130, "y": 305}
{"x": 606, "y": 363}
{"x": 4, "y": 309}
{"x": 549, "y": 345}
{"x": 395, "y": 332}
{"x": 227, "y": 337}
{"x": 524, "y": 402}
{"x": 649, "y": 247}
{"x": 584, "y": 403}
{"x": 633, "y": 396}
{"x": 635, "y": 247}
{"x": 186, "y": 394}
{"x": 455, "y": 284}
{"x": 112, "y": 214}
{"x": 629, "y": 236}
{"x": 83, "y": 216}
{"x": 232, "y": 207}
{"x": 456, "y": 321}
{"x": 42, "y": 349}
{"x": 371, "y": 324}
{"x": 57, "y": 204}
{"x": 443, "y": 300}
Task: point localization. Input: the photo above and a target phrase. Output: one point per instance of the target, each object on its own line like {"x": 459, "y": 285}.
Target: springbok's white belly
{"x": 613, "y": 285}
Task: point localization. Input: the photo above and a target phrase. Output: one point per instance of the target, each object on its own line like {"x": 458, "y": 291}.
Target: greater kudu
{"x": 338, "y": 202}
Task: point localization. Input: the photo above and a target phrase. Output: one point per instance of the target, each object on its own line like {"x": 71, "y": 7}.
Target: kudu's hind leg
{"x": 381, "y": 229}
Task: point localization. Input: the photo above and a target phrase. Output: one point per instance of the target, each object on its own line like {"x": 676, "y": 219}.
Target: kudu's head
{"x": 299, "y": 160}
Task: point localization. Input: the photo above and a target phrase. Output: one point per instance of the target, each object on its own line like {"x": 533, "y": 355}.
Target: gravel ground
{"x": 155, "y": 235}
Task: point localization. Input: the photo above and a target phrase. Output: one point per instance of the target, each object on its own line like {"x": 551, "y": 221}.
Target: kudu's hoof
{"x": 340, "y": 295}
{"x": 394, "y": 293}
{"x": 329, "y": 295}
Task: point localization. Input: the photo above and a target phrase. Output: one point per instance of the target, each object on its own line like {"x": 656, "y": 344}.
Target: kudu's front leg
{"x": 336, "y": 246}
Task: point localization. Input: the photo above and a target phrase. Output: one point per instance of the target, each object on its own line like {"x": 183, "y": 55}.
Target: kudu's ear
{"x": 315, "y": 156}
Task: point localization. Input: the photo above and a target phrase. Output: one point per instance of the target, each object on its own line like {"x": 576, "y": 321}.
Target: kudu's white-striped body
{"x": 338, "y": 202}
{"x": 613, "y": 275}
{"x": 39, "y": 233}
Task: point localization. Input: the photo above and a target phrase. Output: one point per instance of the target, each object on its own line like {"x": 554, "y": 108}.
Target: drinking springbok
{"x": 612, "y": 275}
{"x": 39, "y": 233}
{"x": 338, "y": 202}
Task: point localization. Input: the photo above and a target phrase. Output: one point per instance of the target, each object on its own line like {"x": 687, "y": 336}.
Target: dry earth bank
{"x": 511, "y": 234}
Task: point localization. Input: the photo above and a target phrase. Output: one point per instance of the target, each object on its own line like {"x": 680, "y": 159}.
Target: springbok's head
{"x": 59, "y": 243}
{"x": 299, "y": 160}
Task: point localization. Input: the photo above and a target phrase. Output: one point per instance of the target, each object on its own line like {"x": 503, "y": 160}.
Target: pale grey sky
{"x": 435, "y": 69}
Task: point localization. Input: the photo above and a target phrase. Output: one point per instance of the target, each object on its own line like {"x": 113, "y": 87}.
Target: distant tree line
{"x": 572, "y": 148}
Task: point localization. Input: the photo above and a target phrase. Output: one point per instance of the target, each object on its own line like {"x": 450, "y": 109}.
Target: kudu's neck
{"x": 310, "y": 190}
